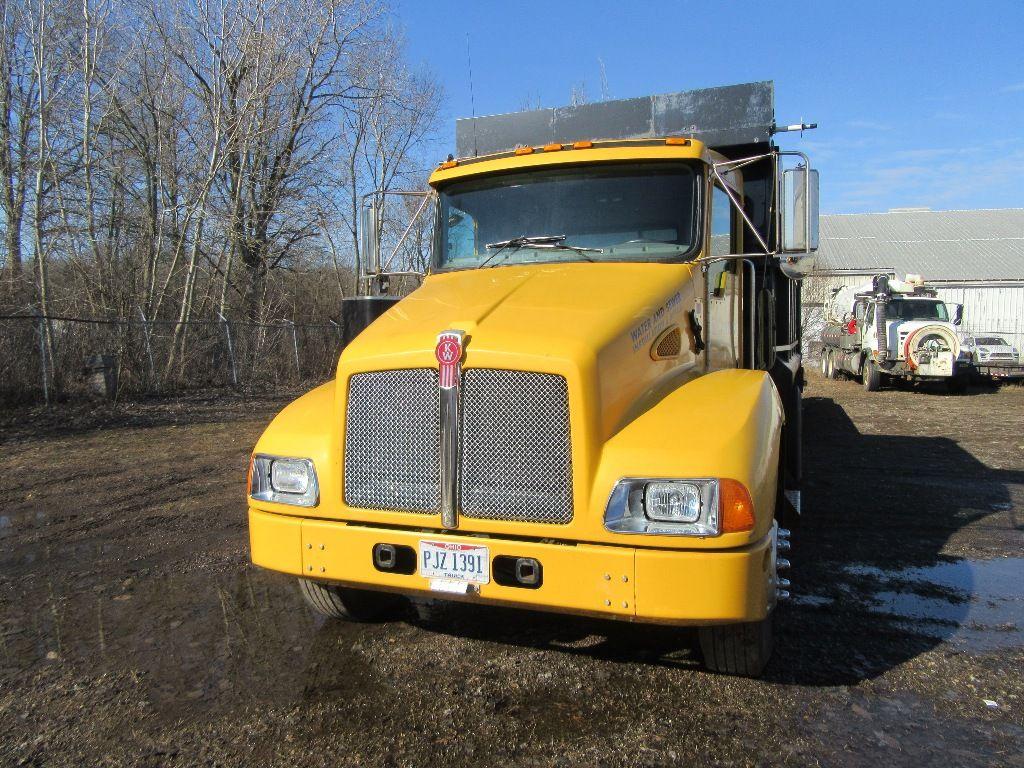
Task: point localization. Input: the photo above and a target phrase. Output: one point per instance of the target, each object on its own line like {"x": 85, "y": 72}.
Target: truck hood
{"x": 998, "y": 349}
{"x": 594, "y": 323}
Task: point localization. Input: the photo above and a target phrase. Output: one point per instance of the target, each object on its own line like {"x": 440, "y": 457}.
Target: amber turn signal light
{"x": 677, "y": 141}
{"x": 524, "y": 150}
{"x": 736, "y": 510}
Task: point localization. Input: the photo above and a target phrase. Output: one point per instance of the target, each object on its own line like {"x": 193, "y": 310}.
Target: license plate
{"x": 455, "y": 562}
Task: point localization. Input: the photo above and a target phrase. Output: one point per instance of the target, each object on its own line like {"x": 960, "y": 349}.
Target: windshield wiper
{"x": 539, "y": 242}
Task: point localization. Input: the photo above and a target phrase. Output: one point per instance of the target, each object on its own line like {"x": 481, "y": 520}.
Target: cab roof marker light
{"x": 449, "y": 164}
{"x": 677, "y": 141}
{"x": 524, "y": 150}
{"x": 552, "y": 147}
{"x": 583, "y": 145}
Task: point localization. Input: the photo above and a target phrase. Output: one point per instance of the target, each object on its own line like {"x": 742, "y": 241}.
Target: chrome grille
{"x": 392, "y": 441}
{"x": 516, "y": 454}
{"x": 516, "y": 461}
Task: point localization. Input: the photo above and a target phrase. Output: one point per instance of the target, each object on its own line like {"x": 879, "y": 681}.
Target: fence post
{"x": 231, "y": 349}
{"x": 42, "y": 356}
{"x": 295, "y": 346}
{"x": 149, "y": 348}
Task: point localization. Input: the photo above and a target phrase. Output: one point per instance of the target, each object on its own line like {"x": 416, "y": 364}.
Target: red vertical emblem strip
{"x": 449, "y": 360}
{"x": 449, "y": 357}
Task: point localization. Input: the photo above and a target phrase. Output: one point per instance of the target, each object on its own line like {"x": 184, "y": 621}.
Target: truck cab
{"x": 583, "y": 408}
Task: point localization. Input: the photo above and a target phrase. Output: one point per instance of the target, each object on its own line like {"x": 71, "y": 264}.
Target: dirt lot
{"x": 133, "y": 631}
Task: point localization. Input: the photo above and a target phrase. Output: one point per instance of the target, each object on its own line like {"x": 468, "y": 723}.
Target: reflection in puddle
{"x": 976, "y": 604}
{"x": 9, "y": 522}
{"x": 192, "y": 641}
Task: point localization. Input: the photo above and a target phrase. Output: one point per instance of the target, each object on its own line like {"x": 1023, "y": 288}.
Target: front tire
{"x": 737, "y": 649}
{"x": 345, "y": 603}
{"x": 872, "y": 376}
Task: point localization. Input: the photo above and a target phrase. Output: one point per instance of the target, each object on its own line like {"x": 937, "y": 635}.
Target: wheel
{"x": 872, "y": 376}
{"x": 831, "y": 373}
{"x": 824, "y": 363}
{"x": 737, "y": 649}
{"x": 345, "y": 603}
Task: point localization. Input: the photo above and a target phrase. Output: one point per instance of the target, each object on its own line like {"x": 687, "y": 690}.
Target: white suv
{"x": 992, "y": 350}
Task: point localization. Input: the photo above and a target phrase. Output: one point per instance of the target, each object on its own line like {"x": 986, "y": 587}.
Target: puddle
{"x": 974, "y": 604}
{"x": 193, "y": 642}
{"x": 10, "y": 522}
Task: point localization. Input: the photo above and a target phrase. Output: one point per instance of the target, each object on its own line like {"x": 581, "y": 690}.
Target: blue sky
{"x": 919, "y": 104}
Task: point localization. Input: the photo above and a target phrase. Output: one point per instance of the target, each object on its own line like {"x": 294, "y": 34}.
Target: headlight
{"x": 284, "y": 480}
{"x": 683, "y": 507}
{"x": 672, "y": 502}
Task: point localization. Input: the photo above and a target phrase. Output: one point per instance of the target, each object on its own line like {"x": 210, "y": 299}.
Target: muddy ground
{"x": 134, "y": 632}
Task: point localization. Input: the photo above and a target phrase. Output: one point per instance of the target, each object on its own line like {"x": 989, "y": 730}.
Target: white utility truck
{"x": 892, "y": 329}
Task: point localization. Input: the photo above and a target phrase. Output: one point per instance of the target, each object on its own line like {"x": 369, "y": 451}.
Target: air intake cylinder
{"x": 880, "y": 285}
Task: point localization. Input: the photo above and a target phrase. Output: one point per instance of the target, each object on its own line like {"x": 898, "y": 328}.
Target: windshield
{"x": 916, "y": 309}
{"x": 991, "y": 341}
{"x": 631, "y": 212}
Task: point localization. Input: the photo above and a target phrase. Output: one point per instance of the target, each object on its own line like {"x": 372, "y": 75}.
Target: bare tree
{"x": 18, "y": 105}
{"x": 200, "y": 159}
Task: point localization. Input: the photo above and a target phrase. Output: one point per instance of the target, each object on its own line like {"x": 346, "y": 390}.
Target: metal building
{"x": 974, "y": 258}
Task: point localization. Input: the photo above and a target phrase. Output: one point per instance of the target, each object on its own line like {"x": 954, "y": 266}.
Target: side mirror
{"x": 958, "y": 314}
{"x": 799, "y": 221}
{"x": 799, "y": 210}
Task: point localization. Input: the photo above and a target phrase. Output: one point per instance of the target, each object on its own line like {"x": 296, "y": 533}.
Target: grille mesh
{"x": 516, "y": 454}
{"x": 393, "y": 441}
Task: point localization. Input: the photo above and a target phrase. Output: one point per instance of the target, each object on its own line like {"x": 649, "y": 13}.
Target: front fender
{"x": 303, "y": 430}
{"x": 723, "y": 424}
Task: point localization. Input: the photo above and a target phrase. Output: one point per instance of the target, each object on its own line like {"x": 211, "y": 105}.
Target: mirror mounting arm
{"x": 739, "y": 208}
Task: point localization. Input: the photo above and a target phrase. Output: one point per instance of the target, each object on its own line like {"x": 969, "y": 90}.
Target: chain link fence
{"x": 113, "y": 358}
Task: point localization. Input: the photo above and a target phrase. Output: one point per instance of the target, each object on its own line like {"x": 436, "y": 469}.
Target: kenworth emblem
{"x": 449, "y": 359}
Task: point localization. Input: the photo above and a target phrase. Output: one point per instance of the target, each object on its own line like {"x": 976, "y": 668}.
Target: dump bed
{"x": 728, "y": 116}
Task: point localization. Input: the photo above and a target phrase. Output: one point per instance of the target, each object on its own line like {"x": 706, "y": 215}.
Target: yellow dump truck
{"x": 591, "y": 404}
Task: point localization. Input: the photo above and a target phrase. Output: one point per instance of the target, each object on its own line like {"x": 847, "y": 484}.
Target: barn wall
{"x": 996, "y": 309}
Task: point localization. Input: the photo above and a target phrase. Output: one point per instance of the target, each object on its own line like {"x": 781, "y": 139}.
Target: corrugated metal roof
{"x": 939, "y": 245}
